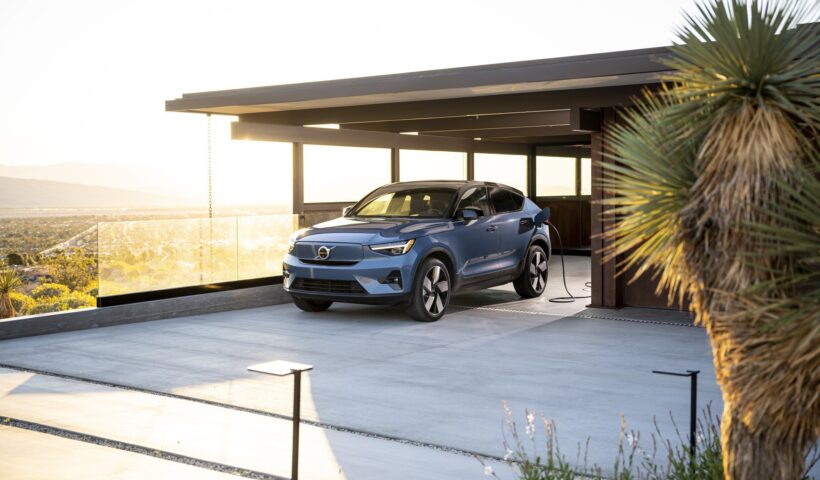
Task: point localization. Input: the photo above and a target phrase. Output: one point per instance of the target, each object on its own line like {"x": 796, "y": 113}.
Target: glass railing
{"x": 148, "y": 255}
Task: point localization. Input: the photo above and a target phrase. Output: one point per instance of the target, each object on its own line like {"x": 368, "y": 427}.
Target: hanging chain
{"x": 210, "y": 173}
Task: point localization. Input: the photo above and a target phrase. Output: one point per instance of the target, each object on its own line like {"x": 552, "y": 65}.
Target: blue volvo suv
{"x": 416, "y": 243}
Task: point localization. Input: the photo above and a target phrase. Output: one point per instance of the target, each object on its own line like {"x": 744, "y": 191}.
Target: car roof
{"x": 456, "y": 184}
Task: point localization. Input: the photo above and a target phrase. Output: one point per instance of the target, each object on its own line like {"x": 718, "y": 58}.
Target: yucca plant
{"x": 714, "y": 183}
{"x": 9, "y": 282}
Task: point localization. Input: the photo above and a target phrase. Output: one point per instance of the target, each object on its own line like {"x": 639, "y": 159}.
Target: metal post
{"x": 693, "y": 410}
{"x": 297, "y": 398}
{"x": 693, "y": 407}
{"x": 282, "y": 368}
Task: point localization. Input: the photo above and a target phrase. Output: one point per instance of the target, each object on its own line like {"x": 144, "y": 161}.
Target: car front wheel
{"x": 533, "y": 280}
{"x": 431, "y": 291}
{"x": 311, "y": 305}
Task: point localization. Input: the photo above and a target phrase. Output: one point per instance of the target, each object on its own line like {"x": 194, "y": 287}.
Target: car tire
{"x": 533, "y": 279}
{"x": 431, "y": 291}
{"x": 312, "y": 305}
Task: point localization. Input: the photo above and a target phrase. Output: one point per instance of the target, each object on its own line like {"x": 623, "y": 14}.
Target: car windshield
{"x": 425, "y": 203}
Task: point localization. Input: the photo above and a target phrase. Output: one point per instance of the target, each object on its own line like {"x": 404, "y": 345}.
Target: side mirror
{"x": 542, "y": 217}
{"x": 467, "y": 214}
{"x": 347, "y": 210}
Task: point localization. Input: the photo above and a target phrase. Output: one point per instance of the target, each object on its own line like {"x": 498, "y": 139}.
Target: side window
{"x": 505, "y": 201}
{"x": 476, "y": 199}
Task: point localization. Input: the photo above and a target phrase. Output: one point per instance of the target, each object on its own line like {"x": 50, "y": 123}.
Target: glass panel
{"x": 586, "y": 176}
{"x": 263, "y": 242}
{"x": 344, "y": 174}
{"x": 432, "y": 165}
{"x": 507, "y": 169}
{"x": 148, "y": 255}
{"x": 555, "y": 176}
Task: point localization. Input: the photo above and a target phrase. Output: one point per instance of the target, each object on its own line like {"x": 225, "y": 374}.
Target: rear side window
{"x": 475, "y": 199}
{"x": 505, "y": 201}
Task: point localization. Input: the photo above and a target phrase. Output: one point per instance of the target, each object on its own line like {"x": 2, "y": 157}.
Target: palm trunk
{"x": 747, "y": 455}
{"x": 763, "y": 383}
{"x": 6, "y": 307}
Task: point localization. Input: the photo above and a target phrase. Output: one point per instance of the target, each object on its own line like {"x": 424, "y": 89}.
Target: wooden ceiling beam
{"x": 473, "y": 122}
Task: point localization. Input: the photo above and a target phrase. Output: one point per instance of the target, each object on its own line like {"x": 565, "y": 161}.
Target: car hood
{"x": 369, "y": 231}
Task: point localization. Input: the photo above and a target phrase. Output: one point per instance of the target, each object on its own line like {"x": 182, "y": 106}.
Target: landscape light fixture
{"x": 693, "y": 404}
{"x": 282, "y": 368}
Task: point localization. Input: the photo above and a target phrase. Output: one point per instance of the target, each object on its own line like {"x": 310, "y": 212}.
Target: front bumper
{"x": 376, "y": 279}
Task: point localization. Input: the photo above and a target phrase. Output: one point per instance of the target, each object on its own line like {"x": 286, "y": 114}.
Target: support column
{"x": 470, "y": 165}
{"x": 395, "y": 164}
{"x": 531, "y": 174}
{"x": 607, "y": 288}
{"x": 299, "y": 182}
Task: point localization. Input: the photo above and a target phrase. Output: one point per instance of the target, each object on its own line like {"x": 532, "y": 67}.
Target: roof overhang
{"x": 635, "y": 67}
{"x": 549, "y": 101}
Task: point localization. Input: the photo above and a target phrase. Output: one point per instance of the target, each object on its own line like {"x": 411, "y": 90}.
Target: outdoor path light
{"x": 281, "y": 368}
{"x": 693, "y": 404}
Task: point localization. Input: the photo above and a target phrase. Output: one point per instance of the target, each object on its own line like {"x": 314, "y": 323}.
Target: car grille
{"x": 328, "y": 286}
{"x": 331, "y": 263}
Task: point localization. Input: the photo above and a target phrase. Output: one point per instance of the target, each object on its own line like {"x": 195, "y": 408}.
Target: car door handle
{"x": 491, "y": 228}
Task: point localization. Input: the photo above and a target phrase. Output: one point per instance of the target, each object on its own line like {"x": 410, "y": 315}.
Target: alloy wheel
{"x": 538, "y": 271}
{"x": 435, "y": 290}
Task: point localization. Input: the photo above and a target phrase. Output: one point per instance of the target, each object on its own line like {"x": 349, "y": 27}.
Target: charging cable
{"x": 570, "y": 298}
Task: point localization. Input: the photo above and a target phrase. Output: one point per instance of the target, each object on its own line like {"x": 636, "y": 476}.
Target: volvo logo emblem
{"x": 324, "y": 252}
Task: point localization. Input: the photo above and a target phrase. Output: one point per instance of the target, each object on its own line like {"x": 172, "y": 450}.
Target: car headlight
{"x": 291, "y": 244}
{"x": 395, "y": 248}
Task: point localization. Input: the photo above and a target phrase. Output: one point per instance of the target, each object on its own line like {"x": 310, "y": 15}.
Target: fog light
{"x": 393, "y": 279}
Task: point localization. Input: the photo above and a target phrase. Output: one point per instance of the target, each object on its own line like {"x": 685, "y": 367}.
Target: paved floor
{"x": 435, "y": 389}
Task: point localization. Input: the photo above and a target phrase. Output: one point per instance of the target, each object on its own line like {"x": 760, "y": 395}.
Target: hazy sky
{"x": 85, "y": 81}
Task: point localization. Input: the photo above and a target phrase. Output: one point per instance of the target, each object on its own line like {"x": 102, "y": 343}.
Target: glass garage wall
{"x": 501, "y": 168}
{"x": 586, "y": 176}
{"x": 432, "y": 165}
{"x": 343, "y": 174}
{"x": 555, "y": 176}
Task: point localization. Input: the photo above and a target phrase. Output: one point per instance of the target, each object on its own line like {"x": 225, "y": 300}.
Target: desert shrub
{"x": 92, "y": 289}
{"x": 676, "y": 462}
{"x": 74, "y": 300}
{"x": 75, "y": 270}
{"x": 9, "y": 282}
{"x": 22, "y": 302}
{"x": 49, "y": 290}
{"x": 668, "y": 458}
{"x": 45, "y": 307}
{"x": 15, "y": 259}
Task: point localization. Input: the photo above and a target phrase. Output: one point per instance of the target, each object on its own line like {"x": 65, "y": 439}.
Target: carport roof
{"x": 613, "y": 69}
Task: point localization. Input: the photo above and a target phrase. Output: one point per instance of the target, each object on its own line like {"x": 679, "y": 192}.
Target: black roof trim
{"x": 610, "y": 64}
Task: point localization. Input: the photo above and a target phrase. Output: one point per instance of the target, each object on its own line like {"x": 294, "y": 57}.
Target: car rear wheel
{"x": 533, "y": 280}
{"x": 312, "y": 305}
{"x": 431, "y": 291}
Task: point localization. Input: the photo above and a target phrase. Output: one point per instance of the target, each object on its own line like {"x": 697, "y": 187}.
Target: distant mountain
{"x": 26, "y": 193}
{"x": 129, "y": 177}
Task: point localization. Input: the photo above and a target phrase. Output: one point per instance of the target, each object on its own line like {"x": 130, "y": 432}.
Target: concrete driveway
{"x": 389, "y": 397}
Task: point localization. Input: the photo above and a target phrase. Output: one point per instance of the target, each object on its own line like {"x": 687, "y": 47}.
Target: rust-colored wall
{"x": 641, "y": 292}
{"x": 571, "y": 216}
